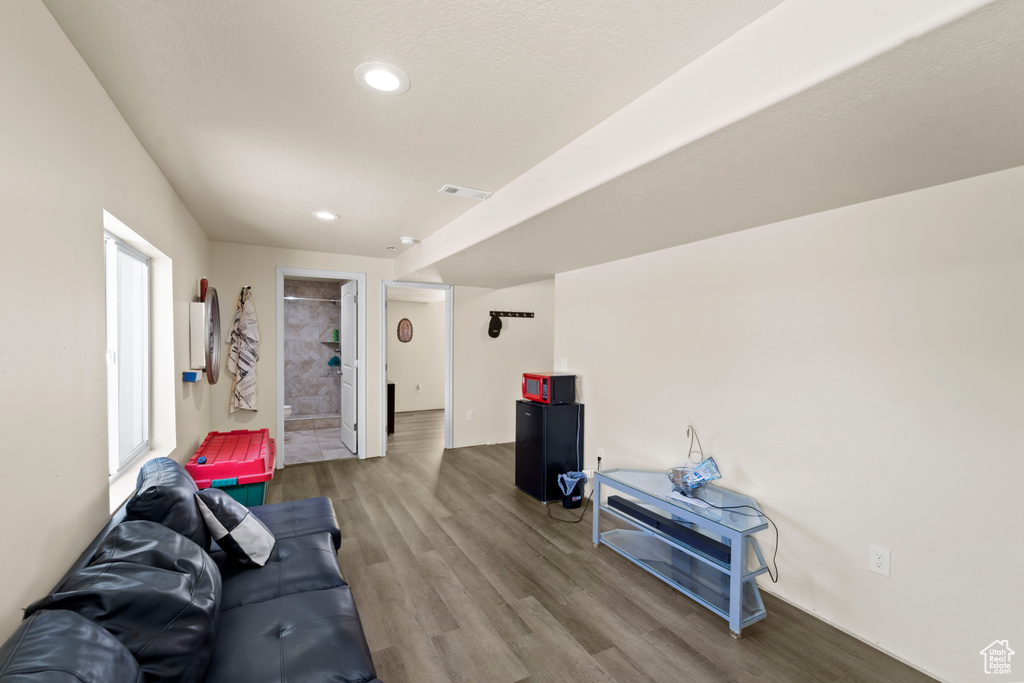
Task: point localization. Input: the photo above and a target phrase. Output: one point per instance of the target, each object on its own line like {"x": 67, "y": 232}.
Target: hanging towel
{"x": 244, "y": 352}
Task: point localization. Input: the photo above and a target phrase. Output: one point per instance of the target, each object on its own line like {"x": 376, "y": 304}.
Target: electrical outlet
{"x": 565, "y": 364}
{"x": 878, "y": 560}
{"x": 469, "y": 415}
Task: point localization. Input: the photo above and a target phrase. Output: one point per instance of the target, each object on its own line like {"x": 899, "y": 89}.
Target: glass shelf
{"x": 705, "y": 553}
{"x": 681, "y": 545}
{"x": 706, "y": 584}
{"x": 657, "y": 484}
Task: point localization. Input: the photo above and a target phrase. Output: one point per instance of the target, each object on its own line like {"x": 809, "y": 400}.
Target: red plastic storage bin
{"x": 239, "y": 462}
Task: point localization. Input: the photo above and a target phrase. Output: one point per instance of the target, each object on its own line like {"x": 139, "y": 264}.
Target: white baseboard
{"x": 854, "y": 635}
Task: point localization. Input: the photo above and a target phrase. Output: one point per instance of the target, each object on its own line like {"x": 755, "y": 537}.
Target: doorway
{"x": 417, "y": 331}
{"x": 321, "y": 384}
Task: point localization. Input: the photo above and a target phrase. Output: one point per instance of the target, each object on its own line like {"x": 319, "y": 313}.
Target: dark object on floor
{"x": 575, "y": 498}
{"x": 571, "y": 484}
{"x": 391, "y": 407}
{"x": 292, "y": 619}
{"x": 549, "y": 441}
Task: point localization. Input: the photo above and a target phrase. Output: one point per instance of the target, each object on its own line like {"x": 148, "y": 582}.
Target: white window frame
{"x": 119, "y": 457}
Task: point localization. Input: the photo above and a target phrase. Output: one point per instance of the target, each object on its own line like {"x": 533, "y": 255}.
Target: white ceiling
{"x": 937, "y": 108}
{"x": 251, "y": 111}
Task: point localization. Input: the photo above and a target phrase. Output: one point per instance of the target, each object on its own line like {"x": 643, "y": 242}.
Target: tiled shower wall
{"x": 311, "y": 387}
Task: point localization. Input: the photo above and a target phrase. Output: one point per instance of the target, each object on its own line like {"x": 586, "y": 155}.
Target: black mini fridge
{"x": 549, "y": 442}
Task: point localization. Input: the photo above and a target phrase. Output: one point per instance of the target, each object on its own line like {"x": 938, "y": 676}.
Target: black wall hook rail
{"x": 512, "y": 314}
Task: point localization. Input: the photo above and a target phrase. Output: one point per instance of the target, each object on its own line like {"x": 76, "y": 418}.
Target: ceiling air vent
{"x": 467, "y": 192}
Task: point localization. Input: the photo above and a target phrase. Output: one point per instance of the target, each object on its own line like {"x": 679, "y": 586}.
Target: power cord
{"x": 585, "y": 506}
{"x": 691, "y": 432}
{"x": 570, "y": 521}
{"x": 775, "y": 554}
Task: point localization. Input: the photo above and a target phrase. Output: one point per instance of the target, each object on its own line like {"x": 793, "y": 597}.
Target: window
{"x": 127, "y": 288}
{"x": 141, "y": 386}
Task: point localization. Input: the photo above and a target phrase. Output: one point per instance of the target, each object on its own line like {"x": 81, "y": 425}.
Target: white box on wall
{"x": 197, "y": 334}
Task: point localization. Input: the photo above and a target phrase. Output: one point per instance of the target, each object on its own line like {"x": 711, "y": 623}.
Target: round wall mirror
{"x": 404, "y": 330}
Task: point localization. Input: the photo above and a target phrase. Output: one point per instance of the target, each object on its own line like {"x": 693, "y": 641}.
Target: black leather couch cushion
{"x": 306, "y": 563}
{"x": 56, "y": 646}
{"x": 155, "y": 591}
{"x": 314, "y": 637}
{"x": 165, "y": 493}
{"x": 300, "y": 518}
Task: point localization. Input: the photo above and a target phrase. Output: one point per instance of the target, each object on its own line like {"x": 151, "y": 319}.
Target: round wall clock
{"x": 404, "y": 330}
{"x": 212, "y": 315}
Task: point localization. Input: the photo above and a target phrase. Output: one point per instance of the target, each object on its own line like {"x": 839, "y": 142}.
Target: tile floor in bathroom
{"x": 314, "y": 445}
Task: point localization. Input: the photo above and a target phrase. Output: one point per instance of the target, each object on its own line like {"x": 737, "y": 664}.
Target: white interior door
{"x": 349, "y": 363}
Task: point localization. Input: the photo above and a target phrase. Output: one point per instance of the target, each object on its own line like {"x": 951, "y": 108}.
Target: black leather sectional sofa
{"x": 151, "y": 600}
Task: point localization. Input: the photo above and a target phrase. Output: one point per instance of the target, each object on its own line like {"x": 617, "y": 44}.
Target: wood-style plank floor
{"x": 459, "y": 576}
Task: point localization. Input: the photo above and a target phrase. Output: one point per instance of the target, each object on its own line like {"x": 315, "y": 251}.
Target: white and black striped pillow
{"x": 235, "y": 529}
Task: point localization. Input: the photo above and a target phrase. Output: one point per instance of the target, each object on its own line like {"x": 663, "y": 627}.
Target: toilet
{"x": 287, "y": 411}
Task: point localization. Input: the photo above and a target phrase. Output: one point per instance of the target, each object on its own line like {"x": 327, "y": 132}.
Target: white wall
{"x": 239, "y": 265}
{"x": 419, "y": 362}
{"x": 65, "y": 156}
{"x": 861, "y": 373}
{"x": 488, "y": 372}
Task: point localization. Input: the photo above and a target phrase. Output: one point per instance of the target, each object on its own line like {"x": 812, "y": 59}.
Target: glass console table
{"x": 704, "y": 552}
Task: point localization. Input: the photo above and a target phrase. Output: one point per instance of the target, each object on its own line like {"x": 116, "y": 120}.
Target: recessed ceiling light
{"x": 382, "y": 78}
{"x": 407, "y": 240}
{"x": 325, "y": 215}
